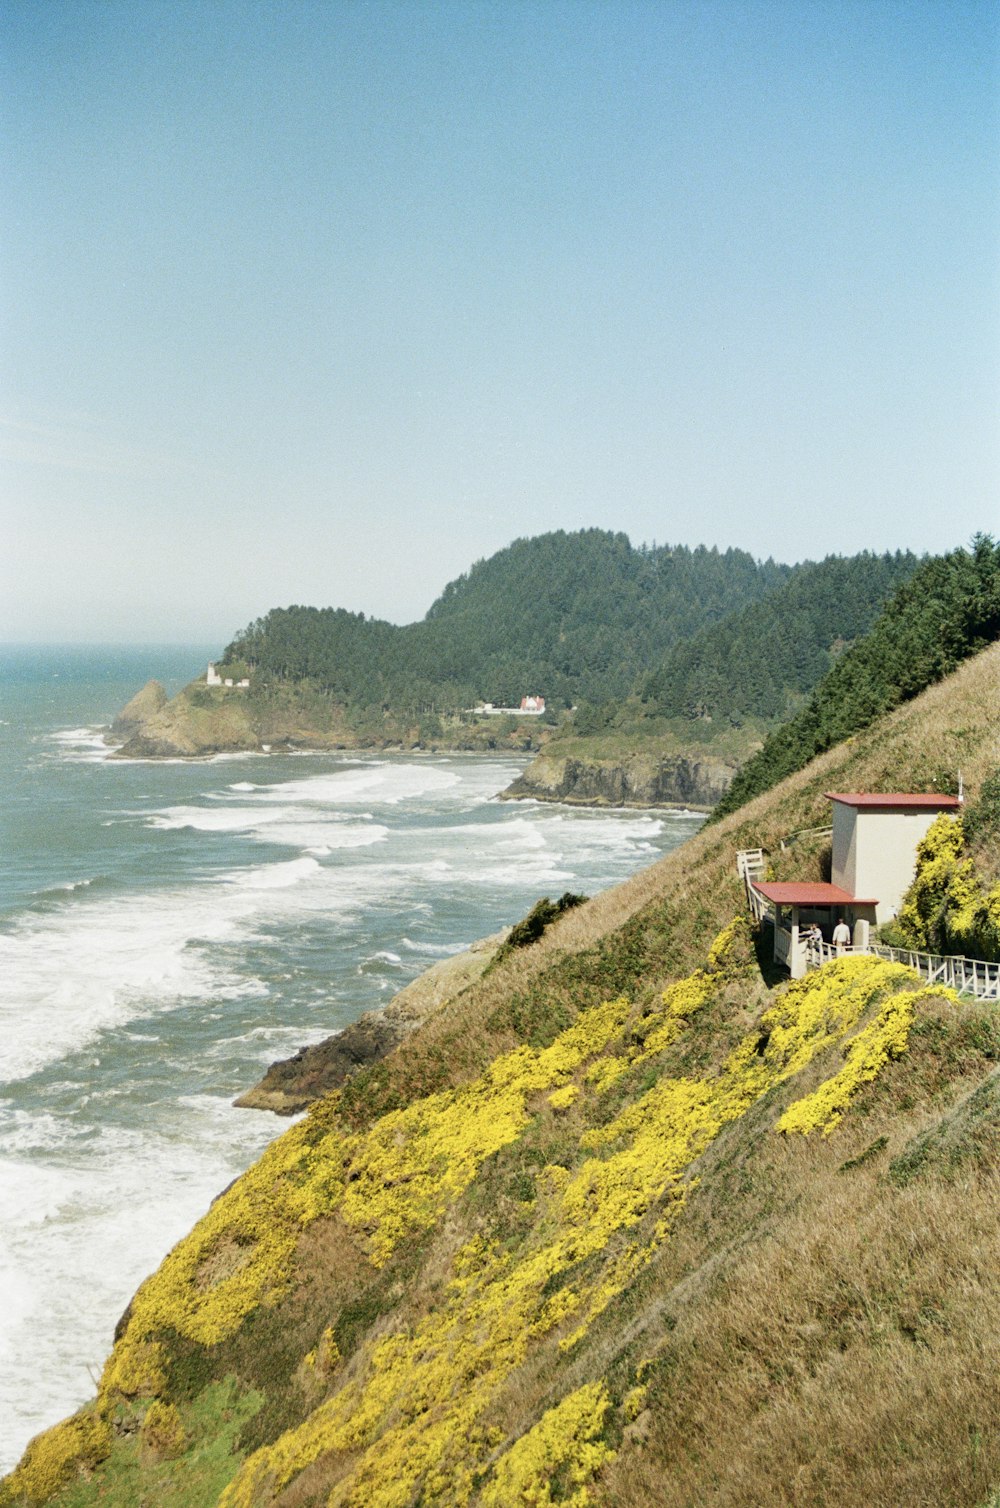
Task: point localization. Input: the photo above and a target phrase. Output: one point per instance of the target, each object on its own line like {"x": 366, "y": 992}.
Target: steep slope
{"x": 619, "y": 1224}
{"x": 948, "y": 610}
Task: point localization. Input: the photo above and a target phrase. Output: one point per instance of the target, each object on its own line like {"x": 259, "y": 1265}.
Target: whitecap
{"x": 275, "y": 876}
{"x": 433, "y": 950}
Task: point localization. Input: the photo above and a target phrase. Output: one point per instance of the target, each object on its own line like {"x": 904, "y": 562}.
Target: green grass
{"x": 212, "y": 1422}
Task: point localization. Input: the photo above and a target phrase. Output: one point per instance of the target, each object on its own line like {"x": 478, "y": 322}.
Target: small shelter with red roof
{"x": 875, "y": 839}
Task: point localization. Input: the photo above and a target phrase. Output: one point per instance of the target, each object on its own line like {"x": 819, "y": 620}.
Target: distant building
{"x": 213, "y": 678}
{"x": 531, "y": 706}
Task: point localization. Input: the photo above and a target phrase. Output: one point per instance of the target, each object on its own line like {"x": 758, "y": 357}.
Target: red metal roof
{"x": 809, "y": 893}
{"x": 894, "y": 800}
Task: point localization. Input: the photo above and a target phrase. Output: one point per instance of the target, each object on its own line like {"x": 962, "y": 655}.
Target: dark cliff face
{"x": 637, "y": 781}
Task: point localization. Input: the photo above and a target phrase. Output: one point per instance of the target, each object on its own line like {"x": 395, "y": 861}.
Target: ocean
{"x": 168, "y": 929}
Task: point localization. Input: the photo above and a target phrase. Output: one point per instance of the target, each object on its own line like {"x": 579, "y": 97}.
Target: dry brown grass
{"x": 850, "y": 1356}
{"x": 823, "y": 1336}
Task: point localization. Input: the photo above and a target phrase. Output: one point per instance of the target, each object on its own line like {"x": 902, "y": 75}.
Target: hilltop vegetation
{"x": 620, "y": 1225}
{"x": 583, "y": 619}
{"x": 568, "y": 615}
{"x": 714, "y": 698}
{"x": 949, "y": 609}
{"x": 761, "y": 660}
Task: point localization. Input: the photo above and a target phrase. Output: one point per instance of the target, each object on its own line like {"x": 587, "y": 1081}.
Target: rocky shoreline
{"x": 292, "y": 1084}
{"x": 635, "y": 781}
{"x": 201, "y": 722}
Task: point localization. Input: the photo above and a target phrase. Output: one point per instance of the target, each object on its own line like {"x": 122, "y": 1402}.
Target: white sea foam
{"x": 275, "y": 876}
{"x": 81, "y": 745}
{"x": 433, "y": 950}
{"x": 291, "y": 826}
{"x": 232, "y": 819}
{"x": 70, "y": 975}
{"x": 382, "y": 784}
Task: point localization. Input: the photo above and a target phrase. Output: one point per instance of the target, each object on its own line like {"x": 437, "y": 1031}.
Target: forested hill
{"x": 570, "y": 616}
{"x": 948, "y": 610}
{"x": 762, "y": 660}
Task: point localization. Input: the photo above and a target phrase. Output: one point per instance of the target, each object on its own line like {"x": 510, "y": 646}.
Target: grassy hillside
{"x": 620, "y": 1225}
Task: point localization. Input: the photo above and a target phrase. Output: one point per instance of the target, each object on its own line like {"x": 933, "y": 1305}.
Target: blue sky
{"x": 320, "y": 302}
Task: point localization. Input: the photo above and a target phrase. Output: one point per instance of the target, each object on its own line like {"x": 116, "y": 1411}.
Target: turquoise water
{"x": 167, "y": 930}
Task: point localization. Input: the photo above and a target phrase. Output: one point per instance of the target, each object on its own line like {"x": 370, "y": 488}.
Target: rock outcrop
{"x": 138, "y": 712}
{"x": 184, "y": 729}
{"x": 638, "y": 780}
{"x": 293, "y": 1083}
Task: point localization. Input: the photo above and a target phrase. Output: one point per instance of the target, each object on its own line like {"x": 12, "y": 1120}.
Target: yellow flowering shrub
{"x": 866, "y": 1055}
{"x": 946, "y": 908}
{"x": 565, "y": 1441}
{"x": 52, "y": 1458}
{"x": 413, "y": 1417}
{"x": 162, "y": 1434}
{"x": 722, "y": 954}
{"x": 635, "y": 1401}
{"x": 388, "y": 1183}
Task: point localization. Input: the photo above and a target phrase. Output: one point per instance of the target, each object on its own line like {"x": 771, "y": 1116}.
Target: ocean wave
{"x": 275, "y": 876}
{"x": 433, "y": 950}
{"x": 81, "y": 745}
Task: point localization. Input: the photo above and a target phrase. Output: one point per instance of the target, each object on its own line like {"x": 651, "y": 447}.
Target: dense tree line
{"x": 947, "y": 610}
{"x": 569, "y": 616}
{"x": 763, "y": 660}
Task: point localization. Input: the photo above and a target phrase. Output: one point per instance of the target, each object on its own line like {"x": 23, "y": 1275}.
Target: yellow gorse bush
{"x": 866, "y": 1055}
{"x": 946, "y": 907}
{"x": 566, "y": 1439}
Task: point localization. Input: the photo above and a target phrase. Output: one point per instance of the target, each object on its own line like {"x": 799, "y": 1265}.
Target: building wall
{"x": 845, "y": 849}
{"x": 885, "y": 848}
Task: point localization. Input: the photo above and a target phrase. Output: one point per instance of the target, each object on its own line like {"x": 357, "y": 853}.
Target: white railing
{"x": 750, "y": 864}
{"x": 966, "y": 976}
{"x": 783, "y": 947}
{"x": 805, "y": 832}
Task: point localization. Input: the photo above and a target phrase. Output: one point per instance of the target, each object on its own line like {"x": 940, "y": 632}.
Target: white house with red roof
{"x": 875, "y": 837}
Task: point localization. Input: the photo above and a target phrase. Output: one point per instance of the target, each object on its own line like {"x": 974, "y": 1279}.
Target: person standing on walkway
{"x": 841, "y": 936}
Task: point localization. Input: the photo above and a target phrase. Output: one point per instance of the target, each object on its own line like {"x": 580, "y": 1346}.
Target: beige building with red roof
{"x": 875, "y": 837}
{"x": 875, "y": 841}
